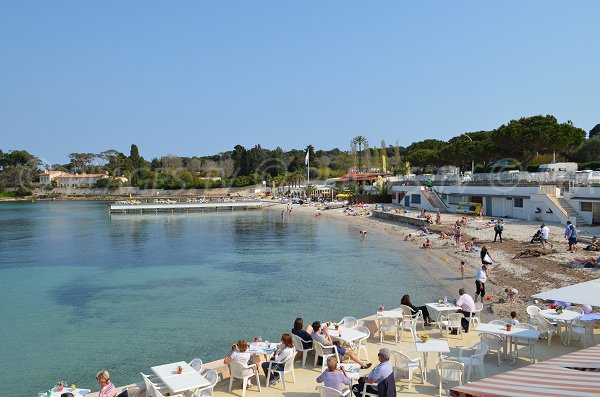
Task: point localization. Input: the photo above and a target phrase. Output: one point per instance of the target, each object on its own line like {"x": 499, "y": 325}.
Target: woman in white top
{"x": 284, "y": 350}
{"x": 240, "y": 354}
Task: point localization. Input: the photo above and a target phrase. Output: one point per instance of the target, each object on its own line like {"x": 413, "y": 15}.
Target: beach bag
{"x": 487, "y": 259}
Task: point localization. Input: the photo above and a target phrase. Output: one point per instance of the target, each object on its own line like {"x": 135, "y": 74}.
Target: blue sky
{"x": 198, "y": 77}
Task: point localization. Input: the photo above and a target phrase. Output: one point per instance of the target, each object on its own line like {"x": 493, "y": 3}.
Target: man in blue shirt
{"x": 377, "y": 375}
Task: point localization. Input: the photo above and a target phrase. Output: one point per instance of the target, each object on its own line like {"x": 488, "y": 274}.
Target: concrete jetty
{"x": 140, "y": 208}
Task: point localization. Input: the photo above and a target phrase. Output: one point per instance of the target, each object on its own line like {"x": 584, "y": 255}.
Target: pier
{"x": 140, "y": 208}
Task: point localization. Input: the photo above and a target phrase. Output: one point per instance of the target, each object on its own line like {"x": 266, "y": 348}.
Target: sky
{"x": 199, "y": 77}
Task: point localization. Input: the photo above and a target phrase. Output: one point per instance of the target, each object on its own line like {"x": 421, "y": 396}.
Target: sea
{"x": 83, "y": 290}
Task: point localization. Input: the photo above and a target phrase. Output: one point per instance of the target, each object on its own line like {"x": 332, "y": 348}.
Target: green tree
{"x": 526, "y": 137}
{"x": 360, "y": 141}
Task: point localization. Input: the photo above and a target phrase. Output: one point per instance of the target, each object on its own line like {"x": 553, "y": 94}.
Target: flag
{"x": 306, "y": 158}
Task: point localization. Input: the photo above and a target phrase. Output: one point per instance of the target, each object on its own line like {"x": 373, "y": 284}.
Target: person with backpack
{"x": 499, "y": 228}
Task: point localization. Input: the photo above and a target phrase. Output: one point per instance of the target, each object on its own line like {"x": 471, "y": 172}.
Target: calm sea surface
{"x": 81, "y": 290}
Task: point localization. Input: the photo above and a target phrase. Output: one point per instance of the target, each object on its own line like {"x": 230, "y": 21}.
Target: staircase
{"x": 435, "y": 200}
{"x": 579, "y": 221}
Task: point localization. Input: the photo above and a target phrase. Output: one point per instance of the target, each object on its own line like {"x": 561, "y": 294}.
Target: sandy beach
{"x": 529, "y": 274}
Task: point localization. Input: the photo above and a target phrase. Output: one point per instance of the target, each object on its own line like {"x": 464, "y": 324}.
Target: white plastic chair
{"x": 475, "y": 316}
{"x": 408, "y": 311}
{"x": 406, "y": 365}
{"x": 239, "y": 371}
{"x": 197, "y": 365}
{"x": 325, "y": 352}
{"x": 299, "y": 346}
{"x": 151, "y": 384}
{"x": 158, "y": 392}
{"x": 325, "y": 391}
{"x": 387, "y": 325}
{"x": 498, "y": 322}
{"x": 584, "y": 331}
{"x": 409, "y": 323}
{"x": 213, "y": 377}
{"x": 349, "y": 322}
{"x": 545, "y": 327}
{"x": 532, "y": 311}
{"x": 452, "y": 320}
{"x": 361, "y": 344}
{"x": 494, "y": 342}
{"x": 449, "y": 371}
{"x": 530, "y": 343}
{"x": 288, "y": 366}
{"x": 479, "y": 349}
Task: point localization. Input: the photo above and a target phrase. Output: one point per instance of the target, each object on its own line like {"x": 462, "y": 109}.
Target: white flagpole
{"x": 307, "y": 168}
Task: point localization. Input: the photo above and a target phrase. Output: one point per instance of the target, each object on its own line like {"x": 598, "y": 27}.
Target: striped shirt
{"x": 108, "y": 391}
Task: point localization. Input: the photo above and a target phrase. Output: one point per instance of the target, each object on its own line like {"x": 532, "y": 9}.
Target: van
{"x": 558, "y": 167}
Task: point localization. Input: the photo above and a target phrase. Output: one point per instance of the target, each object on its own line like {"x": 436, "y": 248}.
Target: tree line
{"x": 524, "y": 141}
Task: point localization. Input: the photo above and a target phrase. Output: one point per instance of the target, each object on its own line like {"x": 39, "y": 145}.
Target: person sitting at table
{"x": 513, "y": 318}
{"x": 239, "y": 353}
{"x": 467, "y": 306}
{"x": 380, "y": 373}
{"x": 284, "y": 350}
{"x": 107, "y": 389}
{"x": 321, "y": 335}
{"x": 426, "y": 317}
{"x": 299, "y": 331}
{"x": 332, "y": 376}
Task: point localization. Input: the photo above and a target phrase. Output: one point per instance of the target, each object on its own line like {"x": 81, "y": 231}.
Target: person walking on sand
{"x": 462, "y": 270}
{"x": 545, "y": 235}
{"x": 457, "y": 236}
{"x": 498, "y": 229}
{"x": 480, "y": 280}
{"x": 486, "y": 258}
{"x": 572, "y": 238}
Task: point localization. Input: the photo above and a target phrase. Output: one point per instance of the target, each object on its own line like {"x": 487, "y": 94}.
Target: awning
{"x": 586, "y": 293}
{"x": 570, "y": 375}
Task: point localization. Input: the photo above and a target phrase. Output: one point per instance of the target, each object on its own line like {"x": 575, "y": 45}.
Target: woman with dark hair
{"x": 284, "y": 350}
{"x": 406, "y": 302}
{"x": 299, "y": 331}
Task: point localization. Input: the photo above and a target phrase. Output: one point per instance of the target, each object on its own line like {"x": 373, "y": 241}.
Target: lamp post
{"x": 472, "y": 161}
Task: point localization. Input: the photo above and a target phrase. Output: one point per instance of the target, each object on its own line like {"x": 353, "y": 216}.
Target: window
{"x": 586, "y": 206}
{"x": 518, "y": 203}
{"x": 415, "y": 198}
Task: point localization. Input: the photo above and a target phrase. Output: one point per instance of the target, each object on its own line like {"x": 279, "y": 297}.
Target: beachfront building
{"x": 63, "y": 179}
{"x": 547, "y": 203}
{"x": 47, "y": 177}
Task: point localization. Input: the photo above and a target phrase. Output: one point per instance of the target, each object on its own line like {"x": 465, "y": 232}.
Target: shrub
{"x": 23, "y": 191}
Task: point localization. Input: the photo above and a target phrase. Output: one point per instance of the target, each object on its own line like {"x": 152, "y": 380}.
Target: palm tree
{"x": 360, "y": 141}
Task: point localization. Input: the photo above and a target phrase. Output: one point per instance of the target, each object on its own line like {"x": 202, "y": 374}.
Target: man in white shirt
{"x": 480, "y": 279}
{"x": 545, "y": 235}
{"x": 466, "y": 305}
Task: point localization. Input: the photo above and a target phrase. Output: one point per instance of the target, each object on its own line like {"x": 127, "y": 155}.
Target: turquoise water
{"x": 81, "y": 290}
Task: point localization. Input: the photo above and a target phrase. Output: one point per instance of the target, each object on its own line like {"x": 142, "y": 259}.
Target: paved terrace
{"x": 305, "y": 377}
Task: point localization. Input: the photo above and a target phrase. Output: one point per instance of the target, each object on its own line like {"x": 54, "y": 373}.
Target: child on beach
{"x": 511, "y": 294}
{"x": 427, "y": 244}
{"x": 462, "y": 270}
{"x": 513, "y": 319}
{"x": 410, "y": 237}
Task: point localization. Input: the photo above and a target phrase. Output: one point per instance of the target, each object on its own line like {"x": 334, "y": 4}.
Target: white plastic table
{"x": 437, "y": 309}
{"x": 189, "y": 379}
{"x": 352, "y": 371}
{"x": 346, "y": 335}
{"x": 524, "y": 333}
{"x": 567, "y": 317}
{"x": 77, "y": 392}
{"x": 262, "y": 348}
{"x": 431, "y": 346}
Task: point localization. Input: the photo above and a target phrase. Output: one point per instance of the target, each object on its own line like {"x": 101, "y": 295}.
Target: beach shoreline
{"x": 529, "y": 275}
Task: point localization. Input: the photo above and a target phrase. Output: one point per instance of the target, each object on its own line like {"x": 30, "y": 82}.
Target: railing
{"x": 506, "y": 176}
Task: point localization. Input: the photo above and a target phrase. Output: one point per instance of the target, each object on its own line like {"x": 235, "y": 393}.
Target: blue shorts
{"x": 341, "y": 351}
